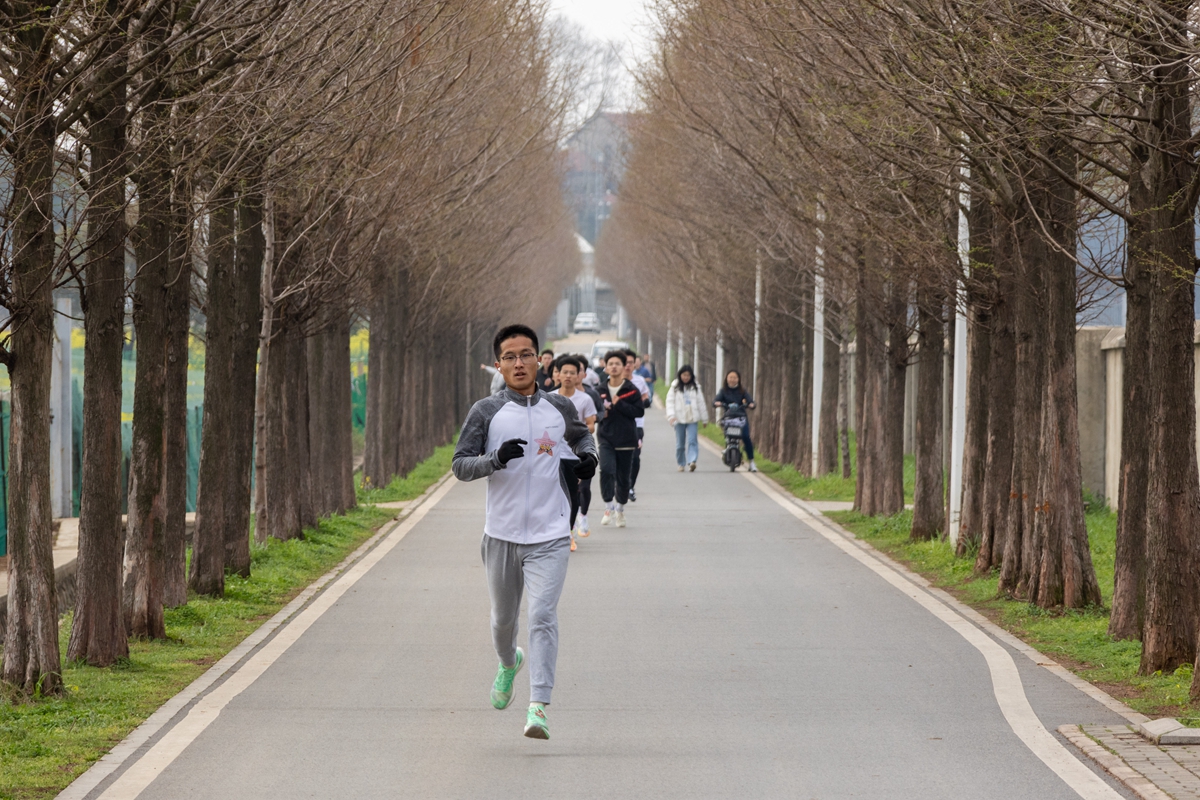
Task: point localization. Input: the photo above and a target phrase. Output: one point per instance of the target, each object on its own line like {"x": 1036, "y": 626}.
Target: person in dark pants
{"x": 618, "y": 437}
{"x": 733, "y": 394}
{"x": 631, "y": 361}
{"x": 568, "y": 370}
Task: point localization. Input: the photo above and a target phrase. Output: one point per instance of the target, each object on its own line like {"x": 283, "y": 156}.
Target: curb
{"x": 139, "y": 740}
{"x": 1113, "y": 764}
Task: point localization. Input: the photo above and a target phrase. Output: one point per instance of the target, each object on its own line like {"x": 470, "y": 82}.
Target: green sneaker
{"x": 536, "y": 726}
{"x": 502, "y": 687}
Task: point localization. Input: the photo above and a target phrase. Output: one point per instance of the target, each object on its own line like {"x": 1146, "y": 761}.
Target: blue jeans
{"x": 685, "y": 436}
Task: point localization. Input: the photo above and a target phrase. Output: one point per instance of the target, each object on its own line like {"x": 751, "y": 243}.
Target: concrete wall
{"x": 1090, "y": 371}
{"x": 1113, "y": 349}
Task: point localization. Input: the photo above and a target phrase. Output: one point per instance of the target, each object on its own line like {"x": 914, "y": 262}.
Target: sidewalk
{"x": 1153, "y": 772}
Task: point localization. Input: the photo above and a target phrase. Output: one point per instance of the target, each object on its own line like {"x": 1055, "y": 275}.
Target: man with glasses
{"x": 518, "y": 439}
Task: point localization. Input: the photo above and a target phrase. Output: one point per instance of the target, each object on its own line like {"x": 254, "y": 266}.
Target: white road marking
{"x": 135, "y": 779}
{"x": 1006, "y": 680}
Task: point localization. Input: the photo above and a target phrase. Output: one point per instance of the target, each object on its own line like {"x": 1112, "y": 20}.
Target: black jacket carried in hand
{"x": 618, "y": 428}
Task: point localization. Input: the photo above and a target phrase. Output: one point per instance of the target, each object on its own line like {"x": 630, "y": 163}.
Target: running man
{"x": 569, "y": 371}
{"x": 631, "y": 363}
{"x": 618, "y": 437}
{"x": 517, "y": 439}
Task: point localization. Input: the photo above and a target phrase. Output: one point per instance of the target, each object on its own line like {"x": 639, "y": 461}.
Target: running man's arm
{"x": 471, "y": 462}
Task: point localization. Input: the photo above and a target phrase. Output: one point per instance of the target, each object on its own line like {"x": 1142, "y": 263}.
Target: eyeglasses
{"x": 510, "y": 359}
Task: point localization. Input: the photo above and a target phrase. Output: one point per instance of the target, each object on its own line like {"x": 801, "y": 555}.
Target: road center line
{"x": 140, "y": 775}
{"x": 1006, "y": 680}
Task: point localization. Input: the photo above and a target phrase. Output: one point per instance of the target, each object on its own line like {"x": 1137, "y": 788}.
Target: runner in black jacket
{"x": 618, "y": 437}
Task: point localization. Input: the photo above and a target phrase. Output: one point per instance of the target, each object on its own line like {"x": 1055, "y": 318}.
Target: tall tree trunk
{"x": 1001, "y": 386}
{"x": 207, "y": 572}
{"x": 1169, "y": 634}
{"x": 928, "y": 492}
{"x": 286, "y": 474}
{"x": 1173, "y": 485}
{"x": 804, "y": 444}
{"x": 1129, "y": 568}
{"x": 870, "y": 495}
{"x": 897, "y": 365}
{"x": 981, "y": 295}
{"x": 1060, "y": 572}
{"x": 1027, "y": 416}
{"x": 827, "y": 449}
{"x": 1138, "y": 400}
{"x": 145, "y": 542}
{"x": 385, "y": 379}
{"x": 98, "y": 634}
{"x": 245, "y": 292}
{"x": 175, "y": 473}
{"x": 31, "y": 655}
{"x": 301, "y": 425}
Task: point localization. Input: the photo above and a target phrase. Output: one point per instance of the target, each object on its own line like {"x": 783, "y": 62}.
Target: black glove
{"x": 586, "y": 467}
{"x": 513, "y": 448}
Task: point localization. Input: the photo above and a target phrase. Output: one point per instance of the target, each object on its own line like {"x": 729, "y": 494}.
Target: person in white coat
{"x": 686, "y": 409}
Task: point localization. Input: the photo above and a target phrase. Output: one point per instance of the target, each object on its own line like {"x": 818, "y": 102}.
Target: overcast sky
{"x": 612, "y": 20}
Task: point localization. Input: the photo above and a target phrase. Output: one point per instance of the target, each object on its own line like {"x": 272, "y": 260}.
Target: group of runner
{"x": 612, "y": 400}
{"x": 539, "y": 486}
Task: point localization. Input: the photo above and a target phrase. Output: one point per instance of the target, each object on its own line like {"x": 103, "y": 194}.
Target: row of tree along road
{"x": 281, "y": 171}
{"x": 889, "y": 173}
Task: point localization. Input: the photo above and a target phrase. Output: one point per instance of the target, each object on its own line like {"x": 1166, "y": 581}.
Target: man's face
{"x": 615, "y": 367}
{"x": 546, "y": 359}
{"x": 569, "y": 375}
{"x": 556, "y": 376}
{"x": 637, "y": 363}
{"x": 629, "y": 367}
{"x": 517, "y": 361}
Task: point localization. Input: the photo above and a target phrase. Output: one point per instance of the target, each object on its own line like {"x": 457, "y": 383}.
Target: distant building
{"x": 596, "y": 158}
{"x": 596, "y": 155}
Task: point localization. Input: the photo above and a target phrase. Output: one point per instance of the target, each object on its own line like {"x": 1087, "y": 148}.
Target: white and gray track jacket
{"x": 527, "y": 500}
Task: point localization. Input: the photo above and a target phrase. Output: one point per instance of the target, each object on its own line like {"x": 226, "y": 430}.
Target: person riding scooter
{"x": 731, "y": 395}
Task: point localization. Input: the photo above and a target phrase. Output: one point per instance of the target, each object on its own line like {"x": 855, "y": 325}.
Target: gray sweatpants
{"x": 542, "y": 569}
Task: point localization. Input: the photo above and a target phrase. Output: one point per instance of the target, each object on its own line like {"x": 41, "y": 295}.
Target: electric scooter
{"x": 732, "y": 423}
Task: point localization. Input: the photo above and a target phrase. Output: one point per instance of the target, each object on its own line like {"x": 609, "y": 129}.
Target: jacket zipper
{"x": 529, "y": 466}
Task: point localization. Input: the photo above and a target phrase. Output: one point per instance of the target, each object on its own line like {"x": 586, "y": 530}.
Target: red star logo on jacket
{"x": 546, "y": 444}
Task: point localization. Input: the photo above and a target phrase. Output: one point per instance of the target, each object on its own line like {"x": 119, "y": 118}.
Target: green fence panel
{"x": 194, "y": 425}
{"x": 5, "y": 416}
{"x": 358, "y": 402}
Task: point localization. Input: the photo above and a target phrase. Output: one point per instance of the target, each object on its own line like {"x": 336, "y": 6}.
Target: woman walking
{"x": 686, "y": 409}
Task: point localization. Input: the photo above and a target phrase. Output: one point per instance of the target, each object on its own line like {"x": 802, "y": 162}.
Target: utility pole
{"x": 818, "y": 359}
{"x": 720, "y": 363}
{"x": 959, "y": 418}
{"x": 757, "y": 318}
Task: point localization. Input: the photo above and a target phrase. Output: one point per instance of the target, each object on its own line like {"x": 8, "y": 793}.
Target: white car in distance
{"x": 596, "y": 357}
{"x": 586, "y": 321}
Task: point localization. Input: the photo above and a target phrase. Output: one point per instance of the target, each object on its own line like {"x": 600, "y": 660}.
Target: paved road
{"x": 717, "y": 647}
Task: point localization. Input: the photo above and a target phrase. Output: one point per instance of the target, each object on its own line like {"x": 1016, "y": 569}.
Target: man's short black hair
{"x": 630, "y": 354}
{"x": 614, "y": 354}
{"x": 512, "y": 332}
{"x": 547, "y": 351}
{"x": 567, "y": 361}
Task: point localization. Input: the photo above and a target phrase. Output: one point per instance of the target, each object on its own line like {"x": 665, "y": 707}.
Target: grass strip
{"x": 825, "y": 487}
{"x": 1076, "y": 638}
{"x": 412, "y": 485}
{"x": 45, "y": 745}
